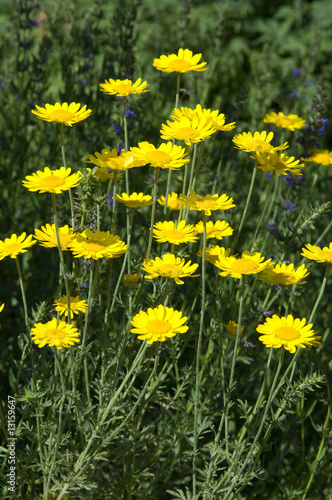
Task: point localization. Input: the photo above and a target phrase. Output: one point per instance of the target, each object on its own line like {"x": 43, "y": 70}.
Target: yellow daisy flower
{"x": 217, "y": 120}
{"x": 175, "y": 234}
{"x": 112, "y": 161}
{"x": 218, "y": 229}
{"x": 47, "y": 236}
{"x": 212, "y": 253}
{"x": 248, "y": 263}
{"x": 288, "y": 333}
{"x": 52, "y": 181}
{"x": 158, "y": 324}
{"x": 14, "y": 245}
{"x": 173, "y": 201}
{"x": 62, "y": 113}
{"x": 209, "y": 203}
{"x": 318, "y": 254}
{"x": 123, "y": 88}
{"x": 54, "y": 334}
{"x": 97, "y": 245}
{"x": 231, "y": 328}
{"x": 290, "y": 122}
{"x": 170, "y": 266}
{"x": 131, "y": 280}
{"x": 188, "y": 130}
{"x": 182, "y": 62}
{"x": 135, "y": 200}
{"x": 281, "y": 165}
{"x": 283, "y": 275}
{"x": 2, "y": 306}
{"x": 260, "y": 141}
{"x": 76, "y": 305}
{"x": 166, "y": 155}
{"x": 319, "y": 156}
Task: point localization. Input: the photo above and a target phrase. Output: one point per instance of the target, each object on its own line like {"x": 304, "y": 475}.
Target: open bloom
{"x": 97, "y": 245}
{"x": 182, "y": 62}
{"x": 173, "y": 201}
{"x": 288, "y": 333}
{"x": 290, "y": 122}
{"x": 175, "y": 234}
{"x": 260, "y": 141}
{"x": 76, "y": 305}
{"x": 248, "y": 263}
{"x": 158, "y": 324}
{"x": 169, "y": 266}
{"x": 135, "y": 200}
{"x": 47, "y": 236}
{"x": 212, "y": 253}
{"x": 319, "y": 156}
{"x": 14, "y": 245}
{"x": 112, "y": 161}
{"x": 282, "y": 165}
{"x": 188, "y": 130}
{"x": 218, "y": 229}
{"x": 166, "y": 155}
{"x": 209, "y": 203}
{"x": 283, "y": 275}
{"x": 217, "y": 119}
{"x": 62, "y": 113}
{"x": 318, "y": 254}
{"x": 52, "y": 181}
{"x": 53, "y": 333}
{"x": 123, "y": 88}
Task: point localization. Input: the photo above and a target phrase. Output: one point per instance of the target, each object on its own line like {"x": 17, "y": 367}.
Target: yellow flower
{"x": 97, "y": 245}
{"x": 158, "y": 324}
{"x": 209, "y": 203}
{"x": 170, "y": 266}
{"x": 54, "y": 334}
{"x": 173, "y": 201}
{"x": 14, "y": 245}
{"x": 216, "y": 119}
{"x": 175, "y": 234}
{"x": 62, "y": 113}
{"x": 103, "y": 174}
{"x": 218, "y": 229}
{"x": 212, "y": 253}
{"x": 52, "y": 181}
{"x": 281, "y": 165}
{"x": 316, "y": 253}
{"x": 76, "y": 305}
{"x": 166, "y": 155}
{"x": 290, "y": 122}
{"x": 2, "y": 306}
{"x": 112, "y": 161}
{"x": 319, "y": 156}
{"x": 248, "y": 263}
{"x": 287, "y": 332}
{"x": 135, "y": 200}
{"x": 47, "y": 236}
{"x": 284, "y": 275}
{"x": 131, "y": 280}
{"x": 123, "y": 88}
{"x": 182, "y": 62}
{"x": 231, "y": 328}
{"x": 188, "y": 130}
{"x": 260, "y": 141}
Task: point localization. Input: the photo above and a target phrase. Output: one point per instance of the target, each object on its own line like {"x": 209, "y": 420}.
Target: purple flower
{"x": 297, "y": 72}
{"x": 292, "y": 95}
{"x": 273, "y": 228}
{"x": 129, "y": 113}
{"x": 294, "y": 180}
{"x": 117, "y": 128}
{"x": 288, "y": 205}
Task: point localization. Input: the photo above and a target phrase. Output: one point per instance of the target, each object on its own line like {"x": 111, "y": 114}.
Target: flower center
{"x": 94, "y": 246}
{"x": 54, "y": 333}
{"x": 259, "y": 145}
{"x": 61, "y": 115}
{"x": 13, "y": 247}
{"x": 285, "y": 122}
{"x": 286, "y": 333}
{"x": 159, "y": 326}
{"x": 124, "y": 87}
{"x": 157, "y": 156}
{"x": 179, "y": 65}
{"x": 169, "y": 270}
{"x": 326, "y": 255}
{"x": 206, "y": 203}
{"x": 244, "y": 266}
{"x": 186, "y": 133}
{"x": 52, "y": 181}
{"x": 175, "y": 234}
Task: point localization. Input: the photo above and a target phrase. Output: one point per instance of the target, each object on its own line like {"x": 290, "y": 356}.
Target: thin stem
{"x": 153, "y": 214}
{"x": 65, "y": 165}
{"x": 263, "y": 211}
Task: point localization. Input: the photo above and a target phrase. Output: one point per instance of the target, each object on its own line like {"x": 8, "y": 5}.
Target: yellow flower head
{"x": 97, "y": 245}
{"x": 76, "y": 305}
{"x": 135, "y": 200}
{"x": 182, "y": 62}
{"x": 170, "y": 266}
{"x": 123, "y": 88}
{"x": 14, "y": 245}
{"x": 103, "y": 174}
{"x": 112, "y": 161}
{"x": 47, "y": 236}
{"x": 260, "y": 141}
{"x": 283, "y": 275}
{"x": 217, "y": 120}
{"x": 231, "y": 328}
{"x": 218, "y": 229}
{"x": 212, "y": 253}
{"x": 158, "y": 324}
{"x": 188, "y": 130}
{"x": 54, "y": 334}
{"x": 319, "y": 156}
{"x": 166, "y": 155}
{"x": 175, "y": 234}
{"x": 62, "y": 113}
{"x": 318, "y": 254}
{"x": 290, "y": 122}
{"x": 52, "y": 181}
{"x": 173, "y": 201}
{"x": 248, "y": 263}
{"x": 2, "y": 306}
{"x": 281, "y": 165}
{"x": 209, "y": 203}
{"x": 131, "y": 280}
{"x": 288, "y": 333}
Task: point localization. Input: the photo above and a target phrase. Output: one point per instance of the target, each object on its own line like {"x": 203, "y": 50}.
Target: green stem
{"x": 263, "y": 211}
{"x": 65, "y": 165}
{"x": 153, "y": 214}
